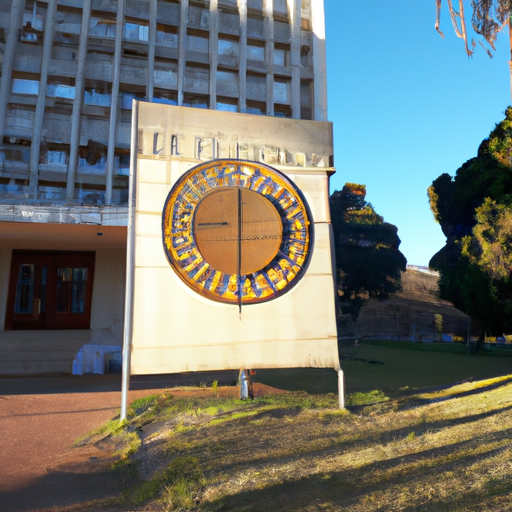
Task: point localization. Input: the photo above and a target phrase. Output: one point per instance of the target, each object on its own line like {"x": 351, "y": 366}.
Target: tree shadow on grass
{"x": 68, "y": 487}
{"x": 252, "y": 444}
{"x": 495, "y": 496}
{"x": 342, "y": 490}
{"x": 472, "y": 392}
{"x": 413, "y": 400}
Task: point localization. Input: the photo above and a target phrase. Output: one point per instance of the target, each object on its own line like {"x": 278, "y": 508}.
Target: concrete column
{"x": 319, "y": 61}
{"x": 294, "y": 10}
{"x": 35, "y": 148}
{"x": 182, "y": 41}
{"x": 15, "y": 20}
{"x": 242, "y": 67}
{"x": 78, "y": 101}
{"x": 151, "y": 49}
{"x": 268, "y": 27}
{"x": 214, "y": 51}
{"x": 114, "y": 102}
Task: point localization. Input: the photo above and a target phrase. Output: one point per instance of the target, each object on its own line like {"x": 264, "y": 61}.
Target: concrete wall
{"x": 108, "y": 297}
{"x": 40, "y": 352}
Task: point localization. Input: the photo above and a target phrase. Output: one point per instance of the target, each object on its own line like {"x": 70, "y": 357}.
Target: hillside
{"x": 415, "y": 313}
{"x": 445, "y": 450}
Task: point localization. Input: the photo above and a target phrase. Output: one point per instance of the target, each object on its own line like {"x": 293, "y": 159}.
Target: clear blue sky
{"x": 407, "y": 106}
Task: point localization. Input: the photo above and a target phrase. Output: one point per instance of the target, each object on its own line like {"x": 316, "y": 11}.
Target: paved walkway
{"x": 40, "y": 418}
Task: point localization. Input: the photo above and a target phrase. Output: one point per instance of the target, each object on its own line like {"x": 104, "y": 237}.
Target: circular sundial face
{"x": 236, "y": 232}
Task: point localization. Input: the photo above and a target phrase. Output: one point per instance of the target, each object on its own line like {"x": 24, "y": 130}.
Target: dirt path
{"x": 39, "y": 468}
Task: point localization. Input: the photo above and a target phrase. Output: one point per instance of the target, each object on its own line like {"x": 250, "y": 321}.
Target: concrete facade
{"x": 69, "y": 72}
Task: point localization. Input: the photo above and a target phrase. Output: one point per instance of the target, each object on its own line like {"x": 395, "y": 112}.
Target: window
{"x": 227, "y": 104}
{"x": 167, "y": 35}
{"x": 282, "y": 90}
{"x": 56, "y": 157}
{"x": 23, "y": 86}
{"x": 228, "y": 47}
{"x": 196, "y": 101}
{"x": 61, "y": 91}
{"x": 256, "y": 50}
{"x": 197, "y": 41}
{"x": 136, "y": 32}
{"x": 50, "y": 290}
{"x": 33, "y": 20}
{"x": 126, "y": 99}
{"x": 32, "y": 23}
{"x": 281, "y": 55}
{"x": 103, "y": 28}
{"x": 122, "y": 164}
{"x": 94, "y": 97}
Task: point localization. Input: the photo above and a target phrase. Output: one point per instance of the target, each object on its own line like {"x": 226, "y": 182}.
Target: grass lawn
{"x": 394, "y": 367}
{"x": 446, "y": 451}
{"x": 415, "y": 448}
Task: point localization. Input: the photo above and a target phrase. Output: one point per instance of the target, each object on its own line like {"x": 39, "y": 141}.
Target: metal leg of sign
{"x": 245, "y": 385}
{"x": 130, "y": 270}
{"x": 341, "y": 389}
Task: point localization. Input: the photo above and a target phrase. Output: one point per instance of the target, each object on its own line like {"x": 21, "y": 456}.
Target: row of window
{"x": 89, "y": 161}
{"x": 89, "y": 194}
{"x": 166, "y": 35}
{"x": 225, "y": 79}
{"x": 31, "y": 88}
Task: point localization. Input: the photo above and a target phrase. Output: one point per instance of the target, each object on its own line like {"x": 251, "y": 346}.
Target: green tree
{"x": 490, "y": 244}
{"x": 368, "y": 261}
{"x": 474, "y": 210}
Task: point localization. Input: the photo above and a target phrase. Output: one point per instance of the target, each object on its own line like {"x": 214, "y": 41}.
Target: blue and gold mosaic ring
{"x": 236, "y": 232}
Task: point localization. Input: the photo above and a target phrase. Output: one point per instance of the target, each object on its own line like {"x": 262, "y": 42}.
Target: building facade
{"x": 70, "y": 70}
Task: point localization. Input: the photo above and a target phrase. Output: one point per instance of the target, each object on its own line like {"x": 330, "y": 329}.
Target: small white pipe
{"x": 341, "y": 389}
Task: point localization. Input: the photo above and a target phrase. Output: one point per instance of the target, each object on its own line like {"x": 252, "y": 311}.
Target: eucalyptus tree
{"x": 488, "y": 19}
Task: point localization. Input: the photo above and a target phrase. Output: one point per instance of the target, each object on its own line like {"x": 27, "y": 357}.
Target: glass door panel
{"x": 25, "y": 289}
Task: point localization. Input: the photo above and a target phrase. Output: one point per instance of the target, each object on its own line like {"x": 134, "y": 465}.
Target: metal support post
{"x": 341, "y": 389}
{"x": 245, "y": 385}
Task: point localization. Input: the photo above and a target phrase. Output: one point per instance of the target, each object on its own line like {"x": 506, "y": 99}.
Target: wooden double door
{"x": 50, "y": 290}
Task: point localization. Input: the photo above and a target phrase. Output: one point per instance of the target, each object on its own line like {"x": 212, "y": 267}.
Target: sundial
{"x": 236, "y": 232}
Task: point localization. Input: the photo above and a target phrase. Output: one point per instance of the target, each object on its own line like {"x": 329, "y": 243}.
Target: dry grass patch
{"x": 448, "y": 450}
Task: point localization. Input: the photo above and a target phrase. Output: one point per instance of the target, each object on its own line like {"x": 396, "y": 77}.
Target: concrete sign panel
{"x": 232, "y": 259}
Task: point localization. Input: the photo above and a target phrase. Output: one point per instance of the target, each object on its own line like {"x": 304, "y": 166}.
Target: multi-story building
{"x": 69, "y": 72}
